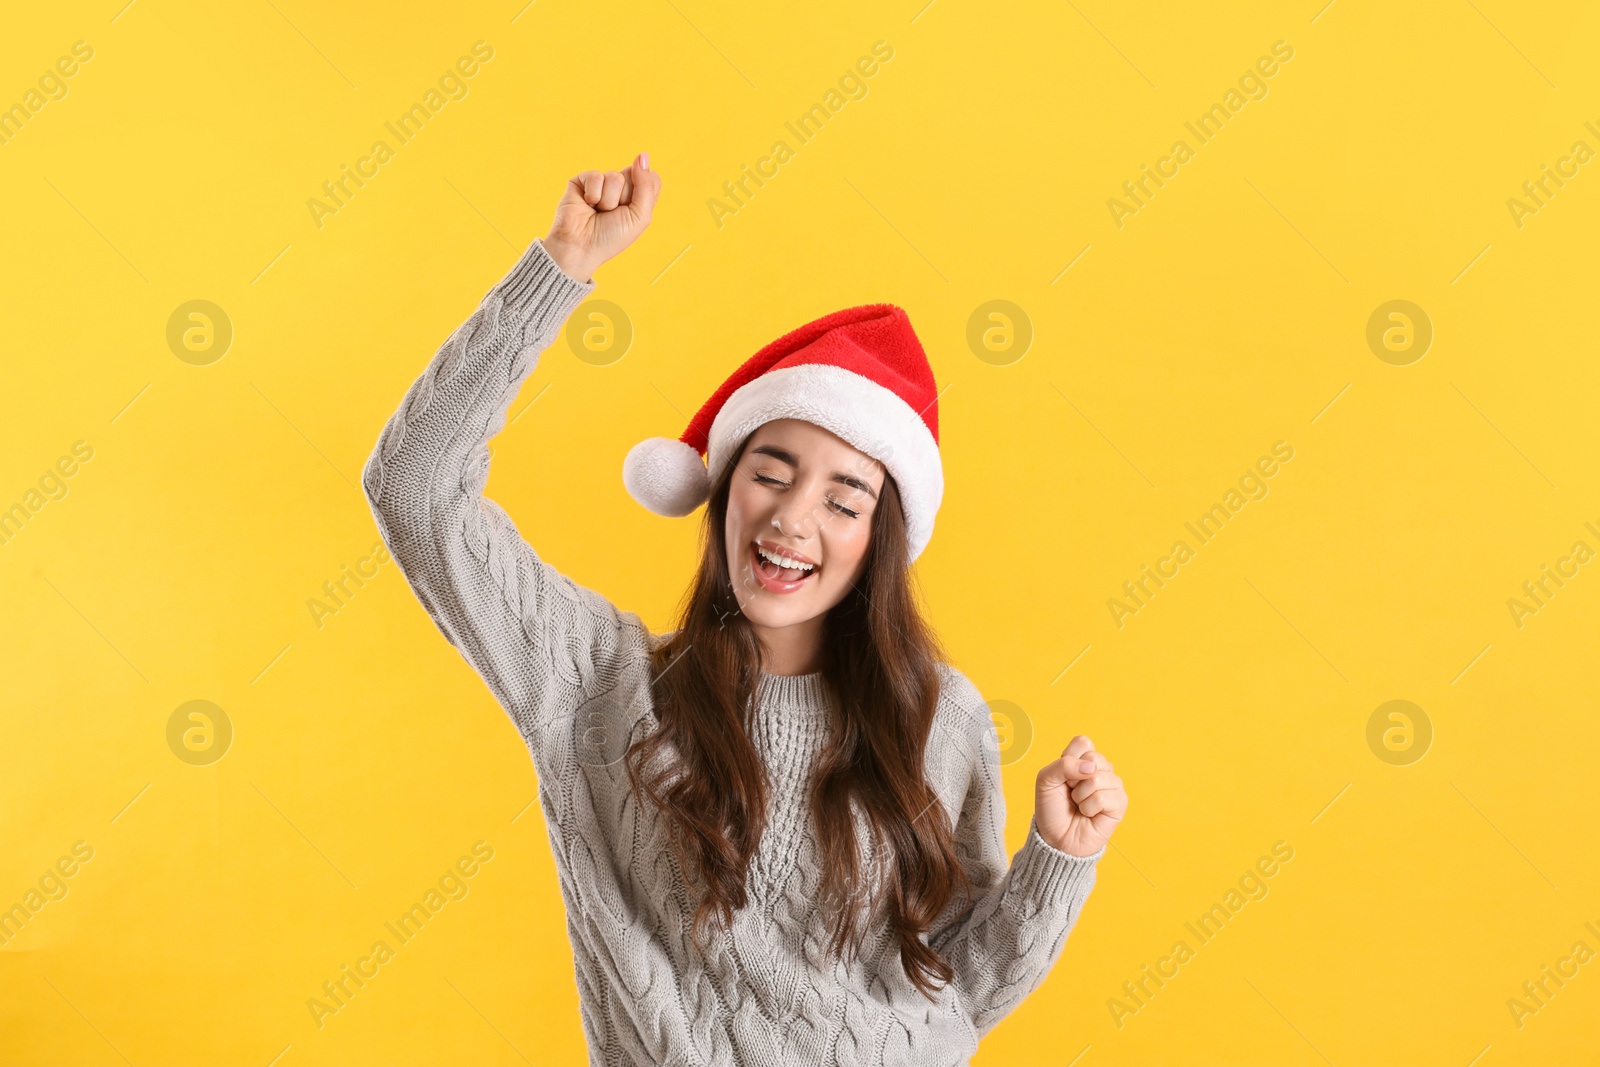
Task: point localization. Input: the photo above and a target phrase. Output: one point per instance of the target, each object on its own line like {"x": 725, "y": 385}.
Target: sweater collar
{"x": 792, "y": 719}
{"x": 796, "y": 691}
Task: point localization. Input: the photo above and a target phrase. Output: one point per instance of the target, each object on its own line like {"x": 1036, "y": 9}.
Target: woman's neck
{"x": 791, "y": 650}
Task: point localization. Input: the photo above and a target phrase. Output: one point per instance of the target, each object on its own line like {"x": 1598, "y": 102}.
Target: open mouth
{"x": 776, "y": 578}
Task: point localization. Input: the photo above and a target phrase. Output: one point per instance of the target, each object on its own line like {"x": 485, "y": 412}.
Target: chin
{"x": 762, "y": 612}
{"x": 774, "y": 609}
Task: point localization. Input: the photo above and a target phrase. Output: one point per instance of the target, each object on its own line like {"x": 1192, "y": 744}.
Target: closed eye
{"x": 765, "y": 479}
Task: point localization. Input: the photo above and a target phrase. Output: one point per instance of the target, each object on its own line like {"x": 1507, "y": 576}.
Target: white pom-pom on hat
{"x": 667, "y": 476}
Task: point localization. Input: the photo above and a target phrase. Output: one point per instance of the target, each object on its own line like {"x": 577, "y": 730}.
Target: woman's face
{"x": 822, "y": 492}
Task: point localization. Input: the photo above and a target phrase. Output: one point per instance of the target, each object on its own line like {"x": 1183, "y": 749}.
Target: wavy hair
{"x": 880, "y": 668}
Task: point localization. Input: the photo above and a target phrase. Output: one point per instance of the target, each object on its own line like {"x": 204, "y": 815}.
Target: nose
{"x": 796, "y": 516}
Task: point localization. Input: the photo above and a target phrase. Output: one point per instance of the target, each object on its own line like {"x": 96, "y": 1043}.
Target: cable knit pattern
{"x": 572, "y": 671}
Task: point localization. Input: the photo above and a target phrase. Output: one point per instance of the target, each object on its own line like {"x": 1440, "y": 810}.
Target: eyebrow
{"x": 783, "y": 455}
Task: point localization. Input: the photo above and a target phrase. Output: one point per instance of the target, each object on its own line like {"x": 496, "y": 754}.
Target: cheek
{"x": 737, "y": 528}
{"x": 732, "y": 540}
{"x": 848, "y": 548}
{"x": 738, "y": 510}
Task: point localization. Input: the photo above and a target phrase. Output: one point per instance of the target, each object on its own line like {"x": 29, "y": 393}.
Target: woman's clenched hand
{"x": 601, "y": 213}
{"x": 1078, "y": 802}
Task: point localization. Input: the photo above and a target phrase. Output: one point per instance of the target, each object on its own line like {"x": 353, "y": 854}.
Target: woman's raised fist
{"x": 600, "y": 214}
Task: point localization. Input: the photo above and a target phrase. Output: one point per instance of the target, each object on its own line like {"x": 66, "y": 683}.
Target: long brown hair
{"x": 880, "y": 668}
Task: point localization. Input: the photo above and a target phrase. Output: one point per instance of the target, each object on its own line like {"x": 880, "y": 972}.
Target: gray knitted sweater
{"x": 571, "y": 669}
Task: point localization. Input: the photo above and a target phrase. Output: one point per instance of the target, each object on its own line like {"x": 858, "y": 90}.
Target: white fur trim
{"x": 873, "y": 419}
{"x": 666, "y": 476}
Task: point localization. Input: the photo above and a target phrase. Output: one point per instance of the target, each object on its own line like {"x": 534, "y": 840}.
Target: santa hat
{"x": 859, "y": 373}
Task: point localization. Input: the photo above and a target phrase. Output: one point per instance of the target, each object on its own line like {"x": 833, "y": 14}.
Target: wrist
{"x": 1059, "y": 849}
{"x": 571, "y": 262}
{"x": 1061, "y": 841}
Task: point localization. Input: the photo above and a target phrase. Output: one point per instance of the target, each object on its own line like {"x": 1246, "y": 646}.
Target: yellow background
{"x": 1229, "y": 313}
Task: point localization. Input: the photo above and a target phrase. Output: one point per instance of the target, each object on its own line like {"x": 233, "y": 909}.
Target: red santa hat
{"x": 859, "y": 373}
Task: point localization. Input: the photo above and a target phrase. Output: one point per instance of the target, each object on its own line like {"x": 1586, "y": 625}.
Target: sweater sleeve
{"x": 1005, "y": 938}
{"x": 542, "y": 643}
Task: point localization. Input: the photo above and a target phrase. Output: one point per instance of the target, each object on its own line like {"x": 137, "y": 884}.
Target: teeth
{"x": 784, "y": 561}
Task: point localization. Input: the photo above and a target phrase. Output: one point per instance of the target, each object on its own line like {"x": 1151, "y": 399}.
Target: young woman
{"x": 779, "y": 827}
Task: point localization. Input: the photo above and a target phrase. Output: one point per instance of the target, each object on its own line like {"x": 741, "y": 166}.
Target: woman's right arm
{"x": 540, "y": 641}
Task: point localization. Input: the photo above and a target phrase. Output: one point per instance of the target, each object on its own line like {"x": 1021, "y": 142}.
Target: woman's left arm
{"x": 1003, "y": 946}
